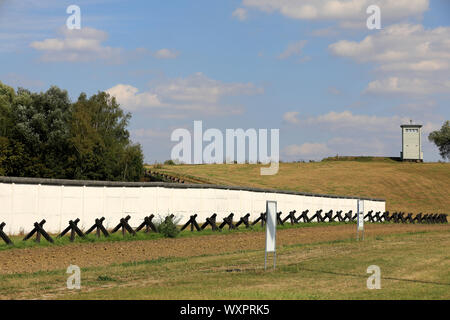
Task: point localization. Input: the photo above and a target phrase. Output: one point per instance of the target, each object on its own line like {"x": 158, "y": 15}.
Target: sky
{"x": 310, "y": 68}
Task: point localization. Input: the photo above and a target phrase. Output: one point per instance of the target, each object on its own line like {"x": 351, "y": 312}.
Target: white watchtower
{"x": 411, "y": 142}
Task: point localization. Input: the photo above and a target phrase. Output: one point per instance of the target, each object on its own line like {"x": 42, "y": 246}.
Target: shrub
{"x": 169, "y": 162}
{"x": 168, "y": 227}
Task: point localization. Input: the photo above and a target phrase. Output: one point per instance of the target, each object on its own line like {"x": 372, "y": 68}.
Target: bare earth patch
{"x": 107, "y": 253}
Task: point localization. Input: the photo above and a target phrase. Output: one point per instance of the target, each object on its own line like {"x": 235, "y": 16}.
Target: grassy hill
{"x": 412, "y": 187}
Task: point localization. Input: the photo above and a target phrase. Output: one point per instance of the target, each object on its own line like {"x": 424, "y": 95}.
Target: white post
{"x": 271, "y": 231}
{"x": 360, "y": 220}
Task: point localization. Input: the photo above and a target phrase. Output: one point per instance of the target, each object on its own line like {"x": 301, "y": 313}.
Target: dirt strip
{"x": 106, "y": 253}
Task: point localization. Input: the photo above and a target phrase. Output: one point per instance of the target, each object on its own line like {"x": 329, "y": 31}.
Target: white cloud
{"x": 181, "y": 96}
{"x": 166, "y": 54}
{"x": 240, "y": 14}
{"x": 130, "y": 99}
{"x": 409, "y": 47}
{"x": 408, "y": 58}
{"x": 86, "y": 44}
{"x": 293, "y": 49}
{"x": 291, "y": 117}
{"x": 83, "y": 44}
{"x": 349, "y": 13}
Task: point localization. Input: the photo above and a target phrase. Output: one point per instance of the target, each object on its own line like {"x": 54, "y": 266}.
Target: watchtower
{"x": 411, "y": 142}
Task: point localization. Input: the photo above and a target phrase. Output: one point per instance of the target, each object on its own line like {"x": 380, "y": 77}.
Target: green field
{"x": 414, "y": 265}
{"x": 409, "y": 187}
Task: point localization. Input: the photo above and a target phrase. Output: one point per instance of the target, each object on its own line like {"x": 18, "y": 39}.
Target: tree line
{"x": 46, "y": 135}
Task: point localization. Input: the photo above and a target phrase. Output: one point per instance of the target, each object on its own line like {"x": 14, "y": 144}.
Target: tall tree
{"x": 41, "y": 125}
{"x": 441, "y": 139}
{"x": 101, "y": 141}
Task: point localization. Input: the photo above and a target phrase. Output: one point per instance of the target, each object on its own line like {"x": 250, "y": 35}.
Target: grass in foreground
{"x": 414, "y": 265}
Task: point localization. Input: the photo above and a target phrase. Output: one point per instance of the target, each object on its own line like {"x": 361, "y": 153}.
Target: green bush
{"x": 169, "y": 162}
{"x": 168, "y": 227}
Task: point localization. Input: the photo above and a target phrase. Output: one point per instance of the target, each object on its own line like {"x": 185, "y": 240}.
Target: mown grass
{"x": 413, "y": 266}
{"x": 410, "y": 187}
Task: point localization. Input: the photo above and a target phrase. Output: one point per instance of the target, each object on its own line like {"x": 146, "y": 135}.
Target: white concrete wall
{"x": 23, "y": 204}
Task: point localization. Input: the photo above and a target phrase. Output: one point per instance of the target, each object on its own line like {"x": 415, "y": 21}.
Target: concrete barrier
{"x": 27, "y": 200}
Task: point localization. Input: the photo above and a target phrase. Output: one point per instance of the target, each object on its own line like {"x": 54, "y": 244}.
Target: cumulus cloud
{"x": 178, "y": 97}
{"x": 348, "y": 13}
{"x": 408, "y": 58}
{"x": 401, "y": 47}
{"x": 85, "y": 44}
{"x": 130, "y": 98}
{"x": 240, "y": 14}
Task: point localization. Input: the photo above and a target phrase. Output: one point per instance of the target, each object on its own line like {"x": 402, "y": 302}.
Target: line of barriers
{"x": 147, "y": 225}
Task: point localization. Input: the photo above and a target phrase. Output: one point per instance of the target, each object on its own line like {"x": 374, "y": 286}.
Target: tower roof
{"x": 411, "y": 126}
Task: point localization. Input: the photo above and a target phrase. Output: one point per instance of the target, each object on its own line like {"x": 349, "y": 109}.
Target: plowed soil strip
{"x": 106, "y": 253}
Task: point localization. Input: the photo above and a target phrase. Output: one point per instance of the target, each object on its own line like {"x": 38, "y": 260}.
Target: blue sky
{"x": 309, "y": 68}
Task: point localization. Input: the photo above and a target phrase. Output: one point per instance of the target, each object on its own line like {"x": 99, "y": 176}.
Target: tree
{"x": 441, "y": 139}
{"x": 41, "y": 125}
{"x": 46, "y": 135}
{"x": 101, "y": 141}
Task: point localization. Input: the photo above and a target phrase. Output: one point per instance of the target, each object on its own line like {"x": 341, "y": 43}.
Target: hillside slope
{"x": 411, "y": 187}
